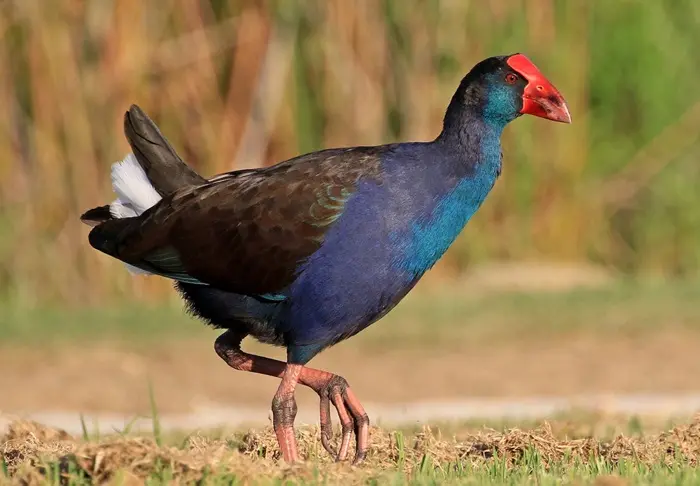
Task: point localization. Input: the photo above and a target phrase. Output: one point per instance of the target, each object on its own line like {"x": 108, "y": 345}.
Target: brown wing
{"x": 248, "y": 232}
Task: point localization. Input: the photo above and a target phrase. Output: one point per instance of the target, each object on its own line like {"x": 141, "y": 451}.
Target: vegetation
{"x": 246, "y": 83}
{"x": 548, "y": 454}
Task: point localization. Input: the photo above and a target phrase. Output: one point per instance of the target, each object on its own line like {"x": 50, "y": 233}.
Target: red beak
{"x": 540, "y": 97}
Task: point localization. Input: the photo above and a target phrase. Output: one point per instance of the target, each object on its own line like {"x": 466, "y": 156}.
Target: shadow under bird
{"x": 309, "y": 252}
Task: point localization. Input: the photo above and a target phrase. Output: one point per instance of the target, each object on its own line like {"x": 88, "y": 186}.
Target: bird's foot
{"x": 335, "y": 389}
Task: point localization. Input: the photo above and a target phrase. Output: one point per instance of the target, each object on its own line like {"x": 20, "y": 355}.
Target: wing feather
{"x": 249, "y": 234}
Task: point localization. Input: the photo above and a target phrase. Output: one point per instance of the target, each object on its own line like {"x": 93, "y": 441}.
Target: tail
{"x": 152, "y": 171}
{"x": 135, "y": 194}
{"x": 140, "y": 181}
{"x": 161, "y": 164}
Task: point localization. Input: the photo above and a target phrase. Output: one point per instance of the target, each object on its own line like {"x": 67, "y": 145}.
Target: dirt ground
{"x": 109, "y": 378}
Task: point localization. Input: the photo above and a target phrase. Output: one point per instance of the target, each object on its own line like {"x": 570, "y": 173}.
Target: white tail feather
{"x": 135, "y": 194}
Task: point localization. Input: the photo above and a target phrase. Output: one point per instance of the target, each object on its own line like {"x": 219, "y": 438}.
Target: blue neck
{"x": 470, "y": 130}
{"x": 475, "y": 120}
{"x": 476, "y": 149}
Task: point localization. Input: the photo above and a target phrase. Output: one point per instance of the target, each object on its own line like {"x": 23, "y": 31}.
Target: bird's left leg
{"x": 284, "y": 411}
{"x": 336, "y": 390}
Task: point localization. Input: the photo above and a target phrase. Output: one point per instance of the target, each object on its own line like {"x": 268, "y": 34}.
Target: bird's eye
{"x": 511, "y": 78}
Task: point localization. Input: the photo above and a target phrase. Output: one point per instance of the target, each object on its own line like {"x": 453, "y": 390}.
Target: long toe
{"x": 326, "y": 424}
{"x": 287, "y": 444}
{"x": 361, "y": 421}
{"x": 346, "y": 423}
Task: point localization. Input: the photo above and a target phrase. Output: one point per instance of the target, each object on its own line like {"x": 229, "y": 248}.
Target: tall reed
{"x": 247, "y": 83}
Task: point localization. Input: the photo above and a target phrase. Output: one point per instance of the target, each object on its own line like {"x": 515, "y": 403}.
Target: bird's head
{"x": 502, "y": 88}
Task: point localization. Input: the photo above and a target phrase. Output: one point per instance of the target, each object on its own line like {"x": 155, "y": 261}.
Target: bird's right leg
{"x": 228, "y": 347}
{"x": 284, "y": 411}
{"x": 284, "y": 407}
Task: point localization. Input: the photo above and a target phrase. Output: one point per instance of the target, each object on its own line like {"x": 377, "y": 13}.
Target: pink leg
{"x": 284, "y": 411}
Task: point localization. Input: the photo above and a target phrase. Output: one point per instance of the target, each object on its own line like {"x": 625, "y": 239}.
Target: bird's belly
{"x": 337, "y": 296}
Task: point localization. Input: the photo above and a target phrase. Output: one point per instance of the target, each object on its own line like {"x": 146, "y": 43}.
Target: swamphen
{"x": 311, "y": 251}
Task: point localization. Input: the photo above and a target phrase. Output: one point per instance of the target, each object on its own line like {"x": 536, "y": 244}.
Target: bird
{"x": 310, "y": 251}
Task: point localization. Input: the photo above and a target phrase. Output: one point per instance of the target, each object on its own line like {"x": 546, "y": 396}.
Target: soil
{"x": 188, "y": 374}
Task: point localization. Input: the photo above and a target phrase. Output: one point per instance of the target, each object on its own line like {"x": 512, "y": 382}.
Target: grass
{"x": 446, "y": 317}
{"x": 439, "y": 316}
{"x": 132, "y": 321}
{"x": 545, "y": 454}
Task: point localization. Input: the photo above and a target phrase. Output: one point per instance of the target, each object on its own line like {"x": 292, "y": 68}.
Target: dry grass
{"x": 33, "y": 454}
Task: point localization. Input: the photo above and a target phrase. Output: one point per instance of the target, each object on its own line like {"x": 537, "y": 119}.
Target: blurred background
{"x": 583, "y": 262}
